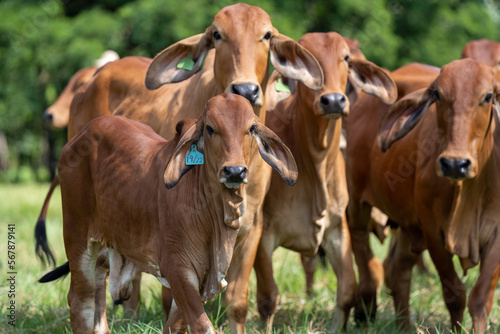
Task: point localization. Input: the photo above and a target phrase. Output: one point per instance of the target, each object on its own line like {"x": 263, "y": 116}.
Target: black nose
{"x": 333, "y": 103}
{"x": 454, "y": 169}
{"x": 47, "y": 116}
{"x": 250, "y": 92}
{"x": 235, "y": 174}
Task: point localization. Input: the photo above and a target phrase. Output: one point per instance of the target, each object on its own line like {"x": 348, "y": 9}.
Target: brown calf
{"x": 117, "y": 193}
{"x": 313, "y": 212}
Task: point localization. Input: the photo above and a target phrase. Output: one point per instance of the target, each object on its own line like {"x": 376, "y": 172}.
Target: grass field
{"x": 42, "y": 308}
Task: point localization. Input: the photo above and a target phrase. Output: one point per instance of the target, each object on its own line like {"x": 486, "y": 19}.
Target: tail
{"x": 42, "y": 248}
{"x": 55, "y": 274}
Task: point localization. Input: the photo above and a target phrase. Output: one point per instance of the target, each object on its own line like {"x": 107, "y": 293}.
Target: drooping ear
{"x": 278, "y": 89}
{"x": 293, "y": 61}
{"x": 164, "y": 67}
{"x": 403, "y": 116}
{"x": 372, "y": 80}
{"x": 275, "y": 153}
{"x": 176, "y": 166}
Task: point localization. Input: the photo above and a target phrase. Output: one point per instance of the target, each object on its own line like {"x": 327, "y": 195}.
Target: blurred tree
{"x": 44, "y": 42}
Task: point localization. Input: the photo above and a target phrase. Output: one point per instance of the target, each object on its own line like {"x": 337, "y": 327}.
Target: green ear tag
{"x": 281, "y": 87}
{"x": 194, "y": 157}
{"x": 186, "y": 63}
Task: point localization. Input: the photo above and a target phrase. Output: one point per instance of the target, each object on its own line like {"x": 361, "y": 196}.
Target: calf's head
{"x": 242, "y": 37}
{"x": 224, "y": 134}
{"x": 334, "y": 56}
{"x": 466, "y": 97}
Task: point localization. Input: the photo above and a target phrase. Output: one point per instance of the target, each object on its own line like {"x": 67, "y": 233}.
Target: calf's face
{"x": 465, "y": 94}
{"x": 224, "y": 134}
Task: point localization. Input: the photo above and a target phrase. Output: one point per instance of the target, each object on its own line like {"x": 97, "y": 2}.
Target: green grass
{"x": 43, "y": 307}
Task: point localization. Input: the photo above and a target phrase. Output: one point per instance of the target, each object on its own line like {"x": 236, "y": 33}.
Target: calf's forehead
{"x": 325, "y": 46}
{"x": 242, "y": 19}
{"x": 230, "y": 112}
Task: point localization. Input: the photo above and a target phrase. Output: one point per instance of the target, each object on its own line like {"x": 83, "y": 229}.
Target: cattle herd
{"x": 181, "y": 184}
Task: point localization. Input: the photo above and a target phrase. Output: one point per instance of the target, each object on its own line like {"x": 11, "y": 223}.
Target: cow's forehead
{"x": 465, "y": 78}
{"x": 242, "y": 16}
{"x": 325, "y": 45}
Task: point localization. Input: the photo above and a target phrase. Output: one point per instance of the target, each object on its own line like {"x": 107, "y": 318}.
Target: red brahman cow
{"x": 237, "y": 47}
{"x": 313, "y": 212}
{"x": 438, "y": 178}
{"x": 117, "y": 193}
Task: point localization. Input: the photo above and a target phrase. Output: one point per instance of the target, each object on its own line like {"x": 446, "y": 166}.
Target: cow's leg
{"x": 82, "y": 294}
{"x": 131, "y": 305}
{"x": 481, "y": 296}
{"x": 267, "y": 290}
{"x": 371, "y": 272}
{"x": 309, "y": 264}
{"x": 337, "y": 246}
{"x": 187, "y": 304}
{"x": 453, "y": 289}
{"x": 100, "y": 320}
{"x": 398, "y": 269}
{"x": 175, "y": 323}
{"x": 166, "y": 300}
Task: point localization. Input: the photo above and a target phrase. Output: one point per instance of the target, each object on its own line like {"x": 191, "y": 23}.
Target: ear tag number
{"x": 186, "y": 63}
{"x": 194, "y": 157}
{"x": 281, "y": 87}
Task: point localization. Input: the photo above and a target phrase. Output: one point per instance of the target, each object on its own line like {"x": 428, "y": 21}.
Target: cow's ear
{"x": 176, "y": 166}
{"x": 293, "y": 61}
{"x": 403, "y": 116}
{"x": 275, "y": 153}
{"x": 496, "y": 98}
{"x": 372, "y": 80}
{"x": 179, "y": 61}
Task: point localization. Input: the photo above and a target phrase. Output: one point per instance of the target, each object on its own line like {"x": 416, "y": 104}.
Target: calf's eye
{"x": 210, "y": 130}
{"x": 217, "y": 36}
{"x": 435, "y": 95}
{"x": 267, "y": 36}
{"x": 488, "y": 98}
{"x": 252, "y": 129}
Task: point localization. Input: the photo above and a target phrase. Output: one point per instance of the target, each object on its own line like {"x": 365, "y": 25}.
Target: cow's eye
{"x": 252, "y": 129}
{"x": 347, "y": 57}
{"x": 210, "y": 130}
{"x": 217, "y": 36}
{"x": 435, "y": 95}
{"x": 267, "y": 36}
{"x": 488, "y": 98}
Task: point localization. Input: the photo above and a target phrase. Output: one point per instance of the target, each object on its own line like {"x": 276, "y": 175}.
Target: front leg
{"x": 267, "y": 290}
{"x": 337, "y": 246}
{"x": 371, "y": 272}
{"x": 481, "y": 296}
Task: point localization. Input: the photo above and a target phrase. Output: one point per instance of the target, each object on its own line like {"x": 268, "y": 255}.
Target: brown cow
{"x": 486, "y": 51}
{"x": 238, "y": 46}
{"x": 313, "y": 212}
{"x": 439, "y": 182}
{"x": 113, "y": 180}
{"x": 57, "y": 115}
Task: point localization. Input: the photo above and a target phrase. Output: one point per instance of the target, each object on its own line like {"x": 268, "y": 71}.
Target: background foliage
{"x": 43, "y": 42}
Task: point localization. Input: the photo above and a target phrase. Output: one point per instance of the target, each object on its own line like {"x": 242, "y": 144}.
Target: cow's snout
{"x": 47, "y": 116}
{"x": 248, "y": 91}
{"x": 233, "y": 176}
{"x": 455, "y": 169}
{"x": 334, "y": 104}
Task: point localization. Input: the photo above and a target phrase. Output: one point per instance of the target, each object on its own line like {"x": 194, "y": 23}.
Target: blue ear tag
{"x": 194, "y": 157}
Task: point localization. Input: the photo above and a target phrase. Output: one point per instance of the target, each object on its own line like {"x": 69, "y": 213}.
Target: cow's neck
{"x": 316, "y": 148}
{"x": 467, "y": 226}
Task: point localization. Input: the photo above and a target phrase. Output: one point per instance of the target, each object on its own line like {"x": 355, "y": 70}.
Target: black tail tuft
{"x": 42, "y": 248}
{"x": 55, "y": 274}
